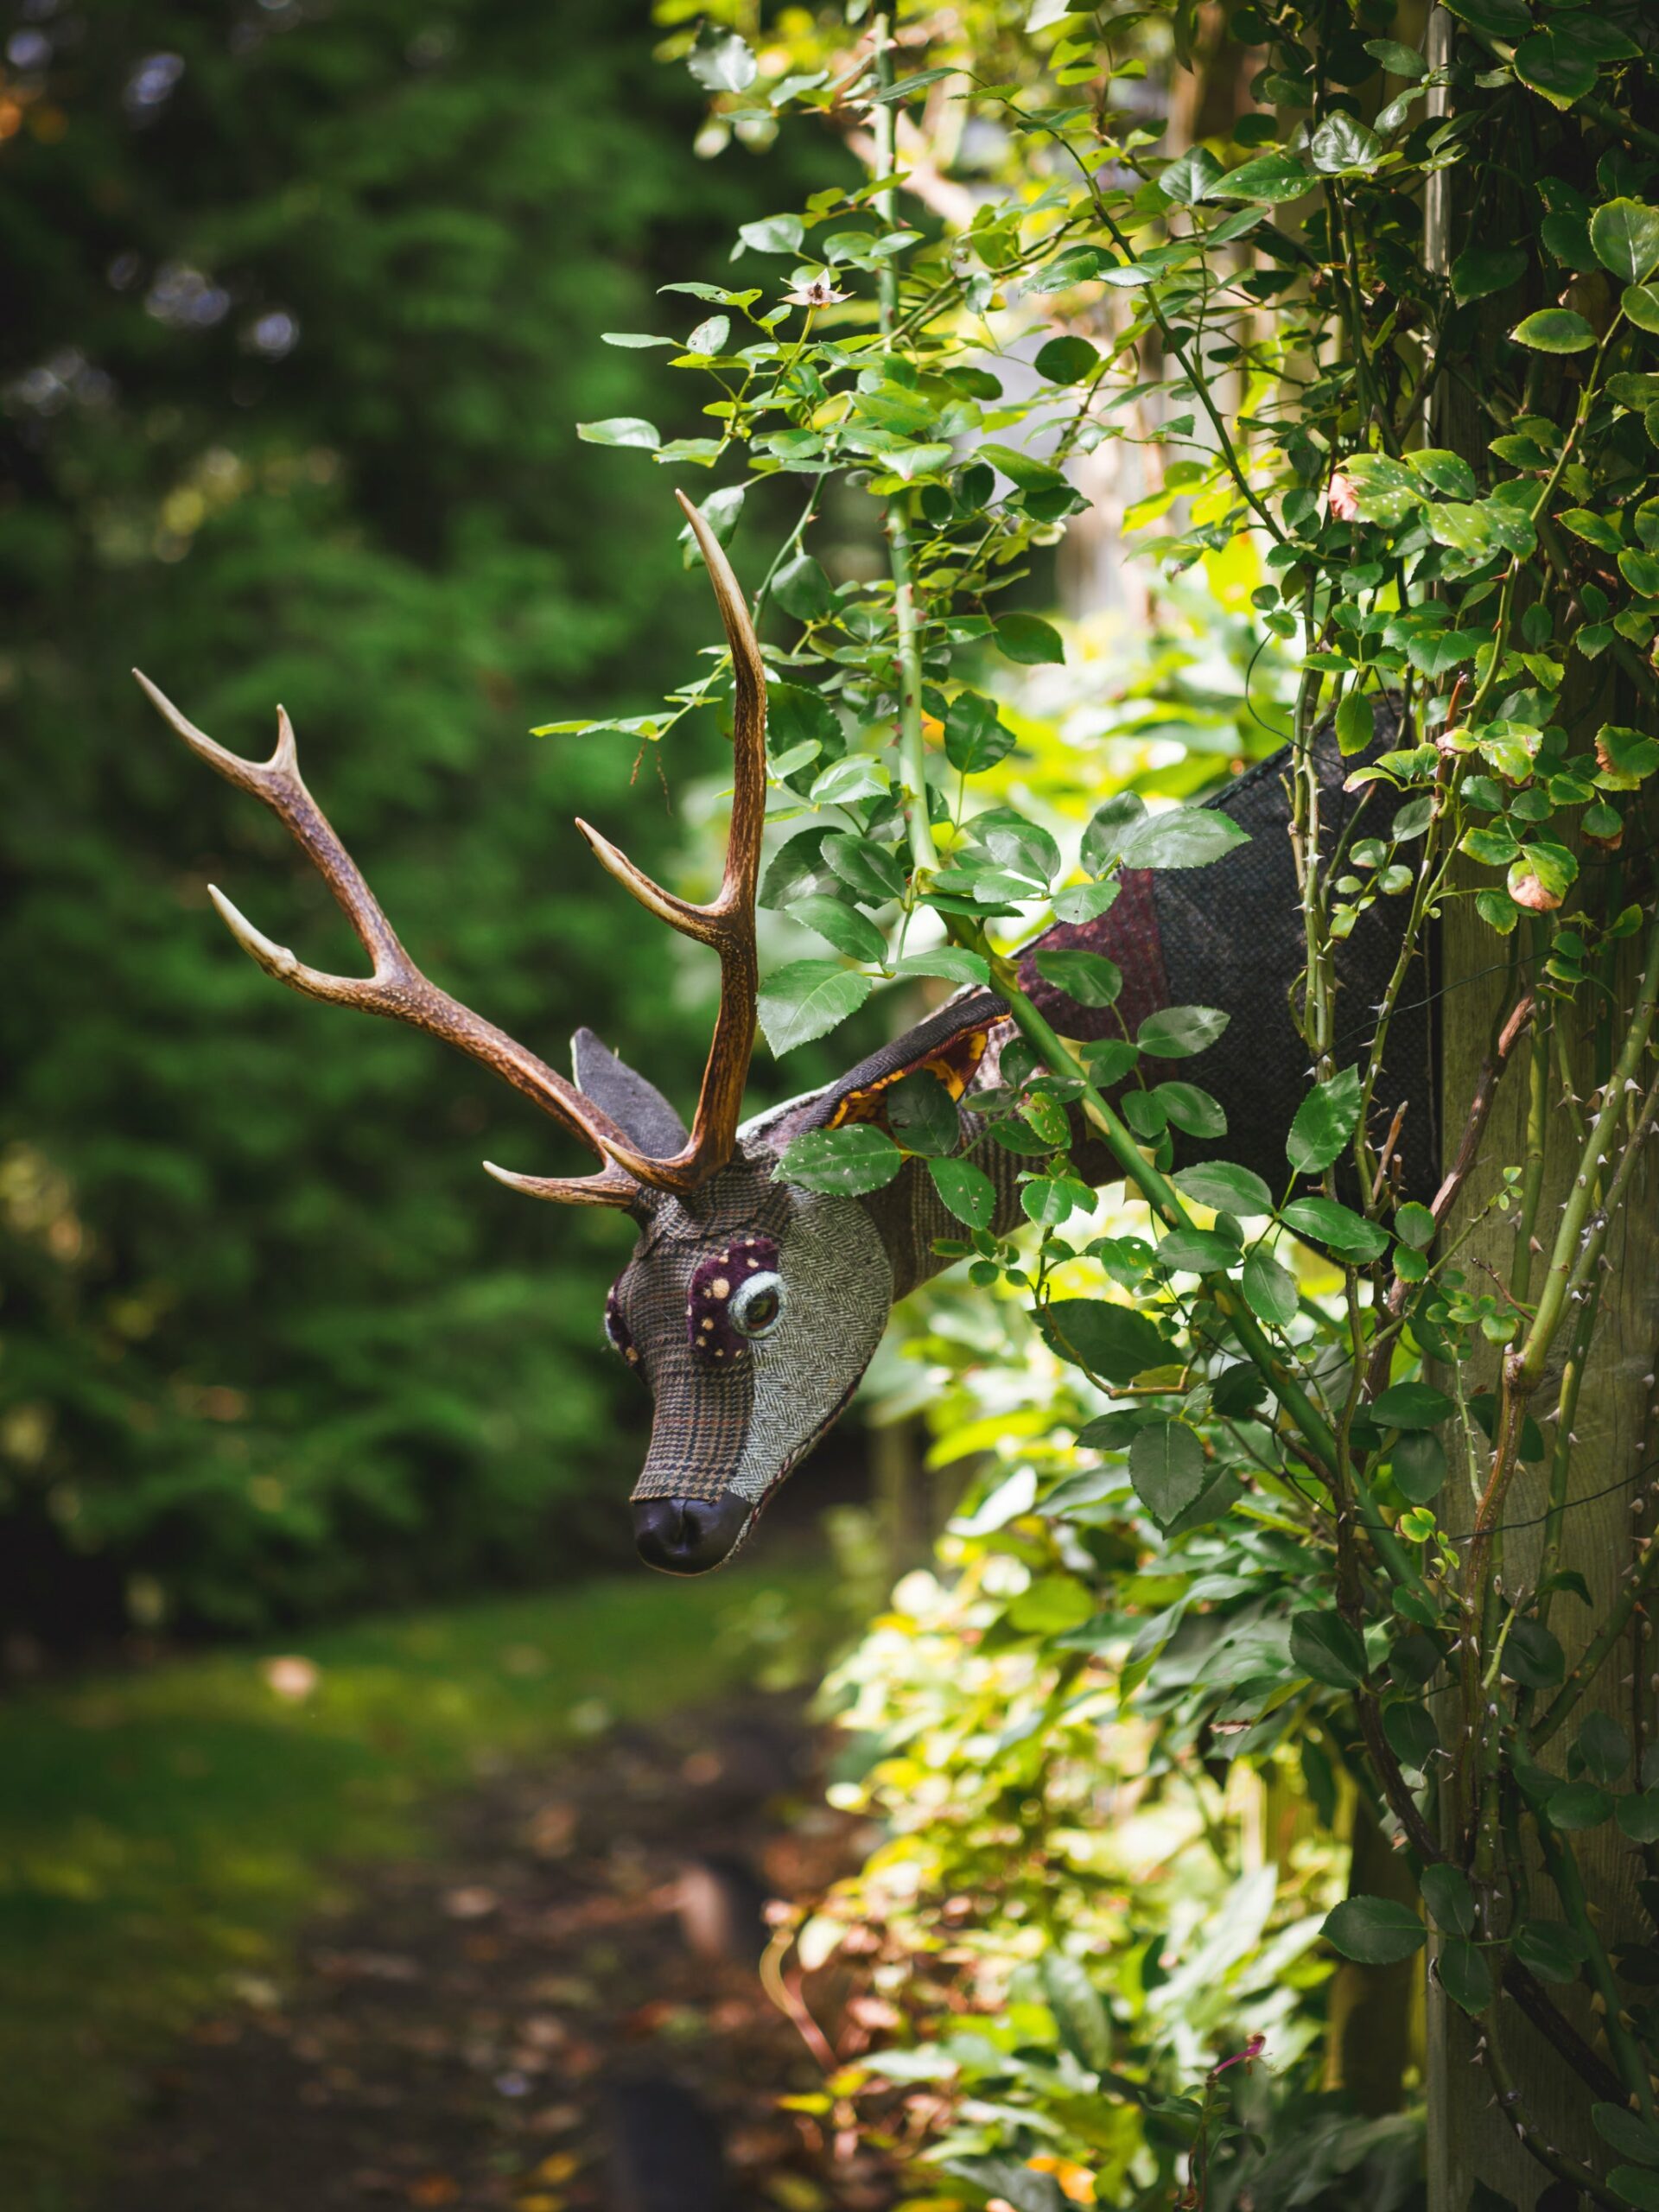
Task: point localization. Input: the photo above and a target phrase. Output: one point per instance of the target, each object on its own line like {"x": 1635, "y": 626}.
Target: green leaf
{"x": 1178, "y": 1031}
{"x": 709, "y": 338}
{"x": 1228, "y": 1189}
{"x": 1419, "y": 1464}
{"x": 1102, "y": 840}
{"x": 1636, "y": 2187}
{"x": 1641, "y": 572}
{"x": 1067, "y": 360}
{"x": 1465, "y": 1975}
{"x": 802, "y": 589}
{"x": 965, "y": 1190}
{"x": 1270, "y": 1289}
{"x": 843, "y": 783}
{"x": 1478, "y": 272}
{"x": 1028, "y": 639}
{"x": 1327, "y": 1222}
{"x": 1084, "y": 902}
{"x": 845, "y": 926}
{"x": 1111, "y": 1341}
{"x": 1550, "y": 62}
{"x": 1449, "y": 1897}
{"x": 1087, "y": 978}
{"x": 954, "y": 964}
{"x": 1020, "y": 846}
{"x": 621, "y": 430}
{"x": 1411, "y": 1734}
{"x": 774, "y": 234}
{"x": 1198, "y": 1251}
{"x": 635, "y": 339}
{"x": 720, "y": 60}
{"x": 1078, "y": 2012}
{"x": 1191, "y": 1110}
{"x": 1449, "y": 473}
{"x": 849, "y": 1160}
{"x": 1505, "y": 19}
{"x": 1554, "y": 330}
{"x": 1639, "y": 1816}
{"x": 795, "y": 869}
{"x": 1625, "y": 236}
{"x": 974, "y": 739}
{"x": 1414, "y": 1224}
{"x": 1269, "y": 180}
{"x": 1604, "y": 1746}
{"x": 1533, "y": 1657}
{"x": 1323, "y": 1645}
{"x": 1356, "y": 723}
{"x": 1596, "y": 529}
{"x": 807, "y": 999}
{"x": 1374, "y": 1931}
{"x": 922, "y": 1115}
{"x": 1399, "y": 61}
{"x": 873, "y": 873}
{"x": 1186, "y": 836}
{"x": 906, "y": 86}
{"x": 1627, "y": 2134}
{"x": 1051, "y": 1200}
{"x": 1324, "y": 1121}
{"x": 1343, "y": 144}
{"x": 1640, "y": 305}
{"x": 1550, "y": 1949}
{"x": 1386, "y": 489}
{"x": 1166, "y": 1467}
{"x": 1411, "y": 1405}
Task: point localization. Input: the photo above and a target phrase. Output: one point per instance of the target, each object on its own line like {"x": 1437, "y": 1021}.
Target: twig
{"x": 1474, "y": 1128}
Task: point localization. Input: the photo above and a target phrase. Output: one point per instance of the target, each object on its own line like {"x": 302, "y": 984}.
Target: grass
{"x": 164, "y": 1834}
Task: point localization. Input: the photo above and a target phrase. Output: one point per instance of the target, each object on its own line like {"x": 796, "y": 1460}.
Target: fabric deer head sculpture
{"x": 750, "y": 1307}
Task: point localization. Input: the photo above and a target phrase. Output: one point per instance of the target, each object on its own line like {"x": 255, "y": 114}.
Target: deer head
{"x": 749, "y": 1308}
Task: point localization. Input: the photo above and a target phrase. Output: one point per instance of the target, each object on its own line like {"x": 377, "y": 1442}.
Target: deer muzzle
{"x": 688, "y": 1535}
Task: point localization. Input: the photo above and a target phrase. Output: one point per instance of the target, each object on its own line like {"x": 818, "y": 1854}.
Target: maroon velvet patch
{"x": 1128, "y": 933}
{"x": 617, "y": 1329}
{"x": 717, "y": 1280}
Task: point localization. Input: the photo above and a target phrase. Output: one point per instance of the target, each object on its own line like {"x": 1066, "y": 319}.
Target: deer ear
{"x": 637, "y": 1107}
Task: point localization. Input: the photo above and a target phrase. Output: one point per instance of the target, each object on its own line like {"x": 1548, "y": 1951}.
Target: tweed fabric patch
{"x": 735, "y": 1425}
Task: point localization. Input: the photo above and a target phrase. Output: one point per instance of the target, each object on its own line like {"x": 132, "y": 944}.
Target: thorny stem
{"x": 1569, "y": 1887}
{"x": 911, "y": 754}
{"x": 1523, "y": 1370}
{"x": 1597, "y": 1651}
{"x": 1555, "y": 2161}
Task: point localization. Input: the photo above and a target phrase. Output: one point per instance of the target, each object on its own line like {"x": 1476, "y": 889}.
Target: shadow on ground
{"x": 557, "y": 2009}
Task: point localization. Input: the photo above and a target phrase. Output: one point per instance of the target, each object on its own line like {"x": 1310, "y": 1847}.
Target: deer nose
{"x": 687, "y": 1535}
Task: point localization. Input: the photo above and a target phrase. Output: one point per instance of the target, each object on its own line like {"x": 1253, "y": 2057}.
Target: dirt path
{"x": 557, "y": 2010}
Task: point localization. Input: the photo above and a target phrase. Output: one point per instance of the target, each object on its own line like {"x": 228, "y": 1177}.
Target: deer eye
{"x": 758, "y": 1305}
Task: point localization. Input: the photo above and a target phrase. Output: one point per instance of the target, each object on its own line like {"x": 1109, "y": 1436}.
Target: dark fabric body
{"x": 1229, "y": 936}
{"x": 1232, "y": 936}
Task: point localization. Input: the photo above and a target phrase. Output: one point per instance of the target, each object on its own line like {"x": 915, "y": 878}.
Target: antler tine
{"x": 727, "y": 922}
{"x": 611, "y": 1186}
{"x": 397, "y": 988}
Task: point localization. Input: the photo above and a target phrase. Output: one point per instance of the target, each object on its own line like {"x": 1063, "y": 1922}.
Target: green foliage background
{"x": 270, "y": 1341}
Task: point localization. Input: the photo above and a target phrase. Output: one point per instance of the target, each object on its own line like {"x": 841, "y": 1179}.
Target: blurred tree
{"x": 304, "y": 307}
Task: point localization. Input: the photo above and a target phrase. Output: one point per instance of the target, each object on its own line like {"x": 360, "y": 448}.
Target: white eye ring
{"x": 761, "y": 1297}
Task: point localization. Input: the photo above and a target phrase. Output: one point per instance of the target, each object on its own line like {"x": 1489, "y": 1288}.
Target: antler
{"x": 728, "y": 922}
{"x": 398, "y": 990}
